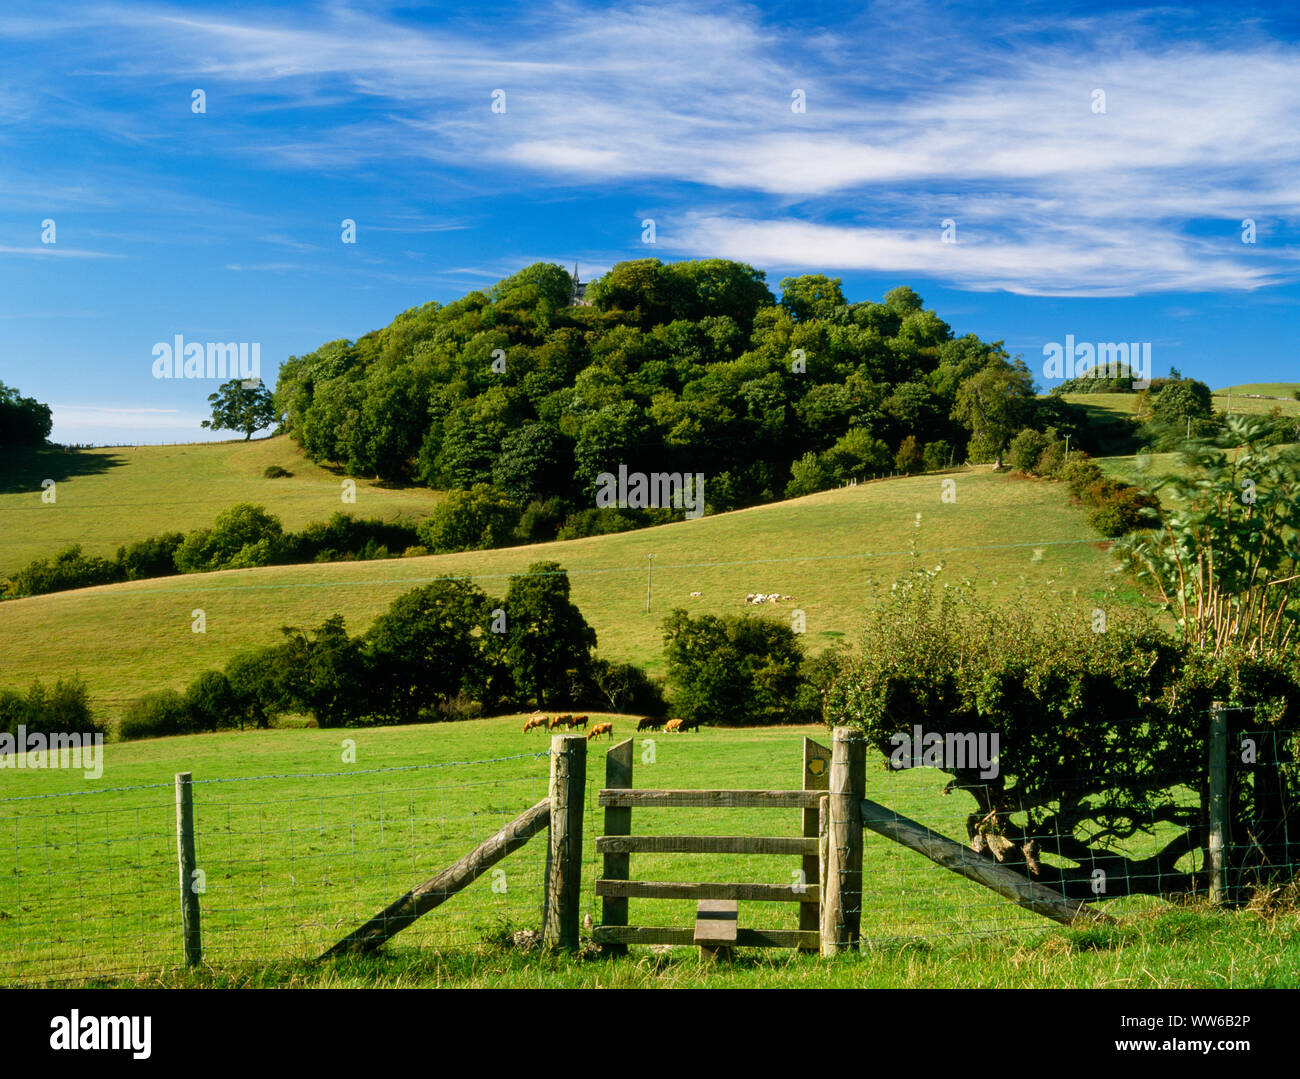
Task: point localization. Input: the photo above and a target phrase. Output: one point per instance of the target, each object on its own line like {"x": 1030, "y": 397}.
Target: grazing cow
{"x": 534, "y": 721}
{"x": 689, "y": 725}
{"x": 674, "y": 725}
{"x": 650, "y": 724}
{"x": 601, "y": 728}
{"x": 576, "y": 721}
{"x": 558, "y": 722}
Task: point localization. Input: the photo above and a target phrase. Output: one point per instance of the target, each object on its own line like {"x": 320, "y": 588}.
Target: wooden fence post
{"x": 1218, "y": 776}
{"x": 842, "y": 899}
{"x": 618, "y": 821}
{"x": 816, "y": 777}
{"x": 564, "y": 864}
{"x": 185, "y": 856}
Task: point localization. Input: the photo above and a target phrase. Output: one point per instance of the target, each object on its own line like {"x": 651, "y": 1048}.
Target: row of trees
{"x": 242, "y": 536}
{"x": 435, "y": 650}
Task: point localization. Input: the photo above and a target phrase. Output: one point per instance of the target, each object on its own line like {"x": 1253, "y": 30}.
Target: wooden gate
{"x": 717, "y": 925}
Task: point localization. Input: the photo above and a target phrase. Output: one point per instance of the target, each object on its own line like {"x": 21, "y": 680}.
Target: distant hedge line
{"x": 1114, "y": 507}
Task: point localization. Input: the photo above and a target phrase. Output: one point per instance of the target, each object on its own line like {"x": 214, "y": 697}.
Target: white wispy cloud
{"x": 1049, "y": 195}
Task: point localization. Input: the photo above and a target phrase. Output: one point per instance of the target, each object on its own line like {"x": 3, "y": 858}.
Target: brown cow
{"x": 558, "y": 722}
{"x": 534, "y": 721}
{"x": 601, "y": 728}
{"x": 576, "y": 721}
{"x": 650, "y": 724}
{"x": 673, "y": 726}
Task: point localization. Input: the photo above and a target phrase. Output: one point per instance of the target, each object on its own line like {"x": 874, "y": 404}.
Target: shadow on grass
{"x": 25, "y": 470}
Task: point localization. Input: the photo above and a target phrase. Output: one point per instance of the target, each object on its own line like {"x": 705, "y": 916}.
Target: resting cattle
{"x": 650, "y": 724}
{"x": 534, "y": 721}
{"x": 674, "y": 725}
{"x": 600, "y": 728}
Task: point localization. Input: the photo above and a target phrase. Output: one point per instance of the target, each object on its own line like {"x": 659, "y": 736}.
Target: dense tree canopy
{"x": 672, "y": 367}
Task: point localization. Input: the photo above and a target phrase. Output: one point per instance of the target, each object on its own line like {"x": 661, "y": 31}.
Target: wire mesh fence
{"x": 1118, "y": 853}
{"x": 287, "y": 865}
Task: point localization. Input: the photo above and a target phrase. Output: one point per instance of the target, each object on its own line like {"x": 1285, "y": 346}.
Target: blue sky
{"x": 1119, "y": 225}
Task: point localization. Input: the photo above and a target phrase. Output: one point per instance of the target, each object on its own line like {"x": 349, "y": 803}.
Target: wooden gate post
{"x": 564, "y": 862}
{"x": 185, "y": 856}
{"x": 1218, "y": 775}
{"x": 618, "y": 821}
{"x": 842, "y": 899}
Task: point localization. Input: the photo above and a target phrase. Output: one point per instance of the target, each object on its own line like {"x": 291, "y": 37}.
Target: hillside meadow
{"x": 105, "y": 498}
{"x": 834, "y": 553}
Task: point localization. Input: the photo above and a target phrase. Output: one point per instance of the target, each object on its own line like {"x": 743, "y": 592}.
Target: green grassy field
{"x": 294, "y": 861}
{"x": 834, "y": 553}
{"x": 109, "y": 497}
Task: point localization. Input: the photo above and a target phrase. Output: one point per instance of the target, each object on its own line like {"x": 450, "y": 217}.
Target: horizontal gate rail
{"x": 745, "y": 938}
{"x": 648, "y": 798}
{"x": 654, "y": 889}
{"x": 705, "y": 844}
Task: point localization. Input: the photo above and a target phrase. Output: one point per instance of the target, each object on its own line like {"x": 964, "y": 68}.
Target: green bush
{"x": 1026, "y": 448}
{"x": 155, "y": 715}
{"x": 606, "y": 522}
{"x": 1080, "y": 474}
{"x": 736, "y": 671}
{"x": 909, "y": 458}
{"x": 70, "y": 568}
{"x": 1116, "y": 509}
{"x": 807, "y": 476}
{"x": 936, "y": 456}
{"x": 1052, "y": 460}
{"x": 242, "y": 536}
{"x": 474, "y": 520}
{"x": 275, "y": 472}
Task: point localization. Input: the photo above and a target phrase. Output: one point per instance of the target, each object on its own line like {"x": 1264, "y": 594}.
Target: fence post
{"x": 564, "y": 864}
{"x": 1218, "y": 774}
{"x": 618, "y": 821}
{"x": 842, "y": 900}
{"x": 185, "y": 856}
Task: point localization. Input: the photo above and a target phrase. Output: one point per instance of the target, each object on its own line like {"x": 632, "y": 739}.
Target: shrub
{"x": 540, "y": 521}
{"x": 606, "y": 522}
{"x": 807, "y": 476}
{"x": 153, "y": 557}
{"x": 857, "y": 454}
{"x": 68, "y": 569}
{"x": 275, "y": 472}
{"x": 909, "y": 458}
{"x": 474, "y": 520}
{"x": 155, "y": 715}
{"x": 415, "y": 552}
{"x": 1052, "y": 460}
{"x": 242, "y": 536}
{"x": 210, "y": 701}
{"x": 1080, "y": 474}
{"x": 1026, "y": 448}
{"x": 936, "y": 455}
{"x": 622, "y": 687}
{"x": 737, "y": 671}
{"x": 1116, "y": 509}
